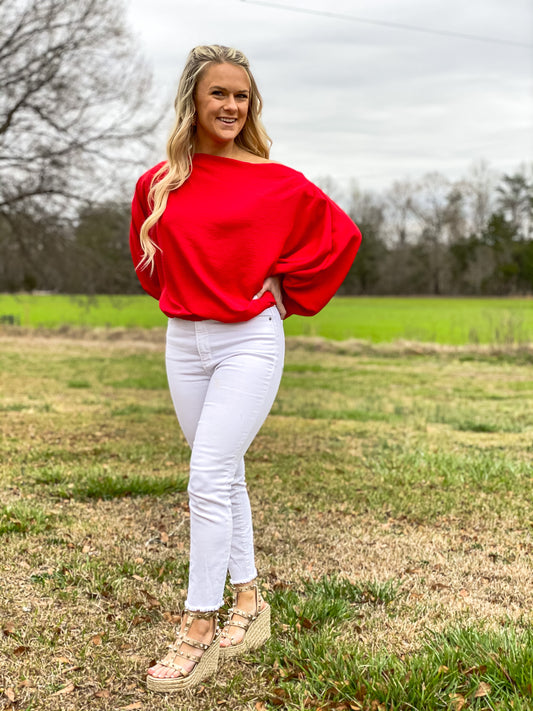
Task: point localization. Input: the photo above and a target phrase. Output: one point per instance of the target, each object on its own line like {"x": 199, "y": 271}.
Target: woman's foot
{"x": 183, "y": 656}
{"x": 245, "y": 601}
{"x": 248, "y": 624}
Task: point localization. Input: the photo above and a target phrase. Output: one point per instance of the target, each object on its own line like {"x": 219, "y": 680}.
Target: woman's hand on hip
{"x": 273, "y": 284}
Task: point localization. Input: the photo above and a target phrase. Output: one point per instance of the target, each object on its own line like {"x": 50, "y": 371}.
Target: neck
{"x": 224, "y": 150}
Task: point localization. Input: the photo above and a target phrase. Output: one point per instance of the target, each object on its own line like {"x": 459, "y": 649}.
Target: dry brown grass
{"x": 89, "y": 600}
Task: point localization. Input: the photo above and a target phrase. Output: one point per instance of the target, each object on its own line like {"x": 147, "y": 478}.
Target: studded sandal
{"x": 205, "y": 664}
{"x": 256, "y": 625}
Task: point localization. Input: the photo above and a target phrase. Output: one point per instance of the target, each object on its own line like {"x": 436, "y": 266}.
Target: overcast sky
{"x": 364, "y": 101}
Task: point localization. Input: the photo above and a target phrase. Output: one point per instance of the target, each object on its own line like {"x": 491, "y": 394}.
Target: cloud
{"x": 352, "y": 99}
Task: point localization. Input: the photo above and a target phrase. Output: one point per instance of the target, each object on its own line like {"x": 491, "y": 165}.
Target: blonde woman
{"x": 229, "y": 243}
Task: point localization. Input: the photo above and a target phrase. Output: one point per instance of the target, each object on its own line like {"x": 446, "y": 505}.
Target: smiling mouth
{"x": 227, "y": 120}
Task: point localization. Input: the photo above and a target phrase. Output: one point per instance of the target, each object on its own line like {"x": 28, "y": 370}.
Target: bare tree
{"x": 72, "y": 92}
{"x": 478, "y": 189}
{"x": 438, "y": 208}
{"x": 399, "y": 210}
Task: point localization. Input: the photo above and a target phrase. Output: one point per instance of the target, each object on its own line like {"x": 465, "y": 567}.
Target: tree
{"x": 435, "y": 203}
{"x": 367, "y": 210}
{"x": 72, "y": 91}
{"x": 399, "y": 210}
{"x": 102, "y": 261}
{"x": 500, "y": 236}
{"x": 478, "y": 189}
{"x": 515, "y": 199}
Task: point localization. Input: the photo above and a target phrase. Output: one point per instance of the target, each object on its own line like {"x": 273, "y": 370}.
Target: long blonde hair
{"x": 181, "y": 143}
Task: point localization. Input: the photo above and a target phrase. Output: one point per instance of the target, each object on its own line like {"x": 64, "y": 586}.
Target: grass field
{"x": 455, "y": 321}
{"x": 393, "y": 513}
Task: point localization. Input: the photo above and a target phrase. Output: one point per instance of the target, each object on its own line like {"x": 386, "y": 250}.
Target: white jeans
{"x": 223, "y": 380}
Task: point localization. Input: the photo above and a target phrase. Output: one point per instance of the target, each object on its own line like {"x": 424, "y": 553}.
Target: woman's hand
{"x": 273, "y": 284}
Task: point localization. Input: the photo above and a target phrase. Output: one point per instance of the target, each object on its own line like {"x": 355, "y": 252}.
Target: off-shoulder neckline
{"x": 234, "y": 160}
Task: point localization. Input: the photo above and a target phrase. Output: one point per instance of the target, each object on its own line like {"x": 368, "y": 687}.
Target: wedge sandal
{"x": 256, "y": 625}
{"x": 205, "y": 664}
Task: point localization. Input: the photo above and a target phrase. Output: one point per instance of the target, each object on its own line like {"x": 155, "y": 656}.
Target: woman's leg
{"x": 248, "y": 362}
{"x": 223, "y": 380}
{"x": 188, "y": 382}
{"x": 241, "y": 562}
{"x": 187, "y": 376}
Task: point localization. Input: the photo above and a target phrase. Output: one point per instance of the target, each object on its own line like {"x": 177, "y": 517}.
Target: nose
{"x": 230, "y": 104}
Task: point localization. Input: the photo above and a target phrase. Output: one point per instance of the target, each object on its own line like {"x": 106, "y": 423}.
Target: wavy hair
{"x": 182, "y": 139}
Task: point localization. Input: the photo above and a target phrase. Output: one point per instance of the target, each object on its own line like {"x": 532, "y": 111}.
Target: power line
{"x": 390, "y": 25}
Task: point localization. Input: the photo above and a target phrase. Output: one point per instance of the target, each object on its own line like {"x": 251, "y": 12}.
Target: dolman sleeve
{"x": 318, "y": 253}
{"x": 139, "y": 212}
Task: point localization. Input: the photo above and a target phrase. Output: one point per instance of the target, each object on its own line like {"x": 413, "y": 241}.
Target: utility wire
{"x": 392, "y": 25}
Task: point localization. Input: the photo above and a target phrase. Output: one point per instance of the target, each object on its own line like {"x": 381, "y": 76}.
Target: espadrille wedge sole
{"x": 206, "y": 664}
{"x": 256, "y": 626}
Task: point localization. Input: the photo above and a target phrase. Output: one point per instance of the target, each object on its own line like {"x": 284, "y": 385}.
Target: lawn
{"x": 391, "y": 490}
{"x": 456, "y": 321}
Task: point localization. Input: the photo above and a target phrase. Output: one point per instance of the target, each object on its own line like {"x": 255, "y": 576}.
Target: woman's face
{"x": 222, "y": 97}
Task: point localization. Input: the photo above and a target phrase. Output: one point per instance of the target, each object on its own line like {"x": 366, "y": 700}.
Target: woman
{"x": 229, "y": 242}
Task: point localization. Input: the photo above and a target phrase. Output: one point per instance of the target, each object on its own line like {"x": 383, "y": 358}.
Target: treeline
{"x": 75, "y": 124}
{"x": 74, "y": 96}
{"x": 88, "y": 255}
{"x": 469, "y": 237}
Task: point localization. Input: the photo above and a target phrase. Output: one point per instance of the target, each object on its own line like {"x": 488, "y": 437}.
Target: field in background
{"x": 455, "y": 321}
{"x": 393, "y": 519}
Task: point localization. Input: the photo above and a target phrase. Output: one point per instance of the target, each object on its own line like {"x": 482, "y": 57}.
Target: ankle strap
{"x": 243, "y": 587}
{"x": 198, "y": 615}
{"x": 253, "y": 585}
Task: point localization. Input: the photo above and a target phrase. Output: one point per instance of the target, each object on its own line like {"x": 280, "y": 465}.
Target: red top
{"x": 232, "y": 224}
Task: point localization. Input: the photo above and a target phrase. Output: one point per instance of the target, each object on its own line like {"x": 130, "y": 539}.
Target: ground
{"x": 391, "y": 490}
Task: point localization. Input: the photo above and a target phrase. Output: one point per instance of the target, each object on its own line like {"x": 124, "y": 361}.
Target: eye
{"x": 242, "y": 96}
{"x": 216, "y": 92}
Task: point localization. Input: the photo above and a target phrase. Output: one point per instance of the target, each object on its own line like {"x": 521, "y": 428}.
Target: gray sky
{"x": 363, "y": 101}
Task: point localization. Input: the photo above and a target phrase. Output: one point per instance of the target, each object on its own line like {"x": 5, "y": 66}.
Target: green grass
{"x": 97, "y": 483}
{"x": 22, "y": 517}
{"x": 393, "y": 526}
{"x": 55, "y": 311}
{"x": 318, "y": 666}
{"x": 454, "y": 321}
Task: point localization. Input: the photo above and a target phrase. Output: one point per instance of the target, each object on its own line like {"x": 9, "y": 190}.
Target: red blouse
{"x": 232, "y": 224}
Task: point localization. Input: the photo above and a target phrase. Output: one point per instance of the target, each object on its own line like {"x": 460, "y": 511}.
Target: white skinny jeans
{"x": 223, "y": 380}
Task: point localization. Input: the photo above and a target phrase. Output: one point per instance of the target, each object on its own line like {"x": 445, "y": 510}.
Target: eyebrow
{"x": 223, "y": 88}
